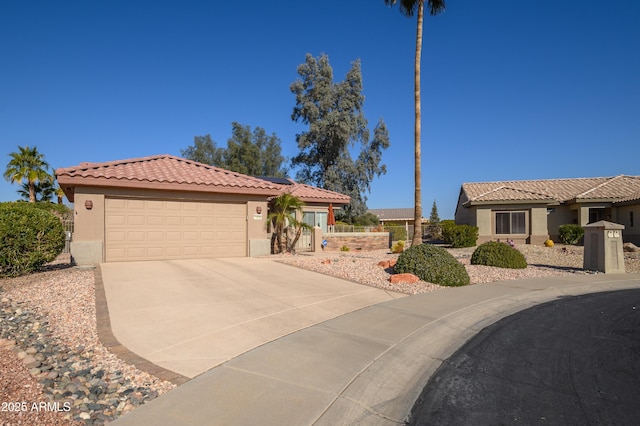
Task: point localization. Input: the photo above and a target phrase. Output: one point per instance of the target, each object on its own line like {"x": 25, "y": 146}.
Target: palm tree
{"x": 28, "y": 164}
{"x": 408, "y": 8}
{"x": 283, "y": 215}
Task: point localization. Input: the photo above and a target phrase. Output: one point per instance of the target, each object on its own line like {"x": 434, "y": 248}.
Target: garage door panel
{"x": 173, "y": 220}
{"x": 155, "y": 252}
{"x": 135, "y": 220}
{"x": 155, "y": 236}
{"x": 116, "y": 219}
{"x": 155, "y": 220}
{"x": 169, "y": 229}
{"x": 191, "y": 221}
{"x": 135, "y": 236}
{"x": 135, "y": 205}
{"x": 173, "y": 236}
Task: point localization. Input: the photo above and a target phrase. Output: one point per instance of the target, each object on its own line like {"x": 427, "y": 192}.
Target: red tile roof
{"x": 612, "y": 189}
{"x": 309, "y": 194}
{"x": 162, "y": 172}
{"x": 174, "y": 173}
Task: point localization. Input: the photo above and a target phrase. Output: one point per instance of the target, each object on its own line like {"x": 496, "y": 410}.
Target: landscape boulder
{"x": 403, "y": 278}
{"x": 386, "y": 264}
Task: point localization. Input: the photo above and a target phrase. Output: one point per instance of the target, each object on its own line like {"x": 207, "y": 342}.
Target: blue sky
{"x": 511, "y": 90}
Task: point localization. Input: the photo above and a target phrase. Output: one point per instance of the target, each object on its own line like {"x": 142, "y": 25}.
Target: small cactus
{"x": 548, "y": 243}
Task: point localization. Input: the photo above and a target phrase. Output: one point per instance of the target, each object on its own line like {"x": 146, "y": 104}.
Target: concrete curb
{"x": 365, "y": 367}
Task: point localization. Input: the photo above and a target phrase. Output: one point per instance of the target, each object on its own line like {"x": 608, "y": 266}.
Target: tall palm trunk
{"x": 32, "y": 192}
{"x": 417, "y": 218}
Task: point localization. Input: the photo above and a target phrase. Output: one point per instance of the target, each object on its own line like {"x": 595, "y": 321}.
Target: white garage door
{"x": 138, "y": 229}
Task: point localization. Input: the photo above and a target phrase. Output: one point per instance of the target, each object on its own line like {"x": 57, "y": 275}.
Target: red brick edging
{"x": 108, "y": 340}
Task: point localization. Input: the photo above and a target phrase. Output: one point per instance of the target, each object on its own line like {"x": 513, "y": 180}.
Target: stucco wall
{"x": 631, "y": 233}
{"x": 538, "y": 225}
{"x": 560, "y": 215}
{"x": 535, "y": 223}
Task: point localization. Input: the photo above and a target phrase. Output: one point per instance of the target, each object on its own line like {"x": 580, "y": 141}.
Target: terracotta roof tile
{"x": 175, "y": 173}
{"x": 559, "y": 190}
{"x": 162, "y": 171}
{"x": 308, "y": 193}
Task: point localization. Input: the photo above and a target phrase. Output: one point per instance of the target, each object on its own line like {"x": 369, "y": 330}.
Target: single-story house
{"x": 396, "y": 217}
{"x": 531, "y": 211}
{"x": 166, "y": 207}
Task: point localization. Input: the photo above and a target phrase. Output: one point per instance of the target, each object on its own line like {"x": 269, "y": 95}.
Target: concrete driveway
{"x": 191, "y": 315}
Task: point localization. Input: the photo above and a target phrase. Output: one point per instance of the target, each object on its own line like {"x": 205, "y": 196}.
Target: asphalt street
{"x": 573, "y": 361}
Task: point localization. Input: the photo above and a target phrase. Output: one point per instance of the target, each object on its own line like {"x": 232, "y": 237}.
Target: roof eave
{"x": 470, "y": 203}
{"x": 68, "y": 183}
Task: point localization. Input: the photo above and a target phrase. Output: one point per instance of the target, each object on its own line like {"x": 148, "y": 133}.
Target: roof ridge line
{"x": 606, "y": 182}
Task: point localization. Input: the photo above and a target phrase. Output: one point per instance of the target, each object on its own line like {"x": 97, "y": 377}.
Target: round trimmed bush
{"x": 29, "y": 238}
{"x": 432, "y": 264}
{"x": 570, "y": 234}
{"x": 497, "y": 254}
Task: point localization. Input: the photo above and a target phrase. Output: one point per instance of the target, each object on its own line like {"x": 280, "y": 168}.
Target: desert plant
{"x": 570, "y": 233}
{"x": 283, "y": 216}
{"x": 398, "y": 247}
{"x": 498, "y": 254}
{"x": 397, "y": 232}
{"x": 29, "y": 238}
{"x": 344, "y": 248}
{"x": 459, "y": 236}
{"x": 432, "y": 264}
{"x": 548, "y": 243}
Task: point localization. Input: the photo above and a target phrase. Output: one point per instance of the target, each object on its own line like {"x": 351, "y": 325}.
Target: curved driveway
{"x": 188, "y": 316}
{"x": 365, "y": 367}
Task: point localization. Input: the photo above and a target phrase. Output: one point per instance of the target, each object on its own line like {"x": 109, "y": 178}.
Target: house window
{"x": 631, "y": 218}
{"x": 510, "y": 223}
{"x": 316, "y": 219}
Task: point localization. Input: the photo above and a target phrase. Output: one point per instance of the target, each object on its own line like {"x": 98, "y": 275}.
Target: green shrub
{"x": 570, "y": 234}
{"x": 459, "y": 236}
{"x": 344, "y": 248}
{"x": 497, "y": 254}
{"x": 29, "y": 237}
{"x": 432, "y": 264}
{"x": 397, "y": 232}
{"x": 59, "y": 210}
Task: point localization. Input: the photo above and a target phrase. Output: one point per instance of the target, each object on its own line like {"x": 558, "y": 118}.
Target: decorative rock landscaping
{"x": 72, "y": 381}
{"x": 53, "y": 368}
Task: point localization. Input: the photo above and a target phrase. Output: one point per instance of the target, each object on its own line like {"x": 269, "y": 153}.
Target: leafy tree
{"x": 254, "y": 153}
{"x": 408, "y": 8}
{"x": 28, "y": 165}
{"x": 434, "y": 219}
{"x": 336, "y": 124}
{"x": 248, "y": 152}
{"x": 283, "y": 216}
{"x": 204, "y": 150}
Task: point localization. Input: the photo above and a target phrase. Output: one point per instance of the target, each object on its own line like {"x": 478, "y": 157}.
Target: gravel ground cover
{"x": 55, "y": 371}
{"x": 362, "y": 267}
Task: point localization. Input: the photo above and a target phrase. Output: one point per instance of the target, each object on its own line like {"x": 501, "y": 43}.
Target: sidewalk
{"x": 365, "y": 367}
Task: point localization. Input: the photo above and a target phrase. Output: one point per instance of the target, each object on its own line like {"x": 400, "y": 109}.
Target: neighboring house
{"x": 531, "y": 211}
{"x": 166, "y": 207}
{"x": 395, "y": 217}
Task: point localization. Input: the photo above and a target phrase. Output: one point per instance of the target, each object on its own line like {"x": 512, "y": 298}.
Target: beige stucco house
{"x": 531, "y": 211}
{"x": 166, "y": 207}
